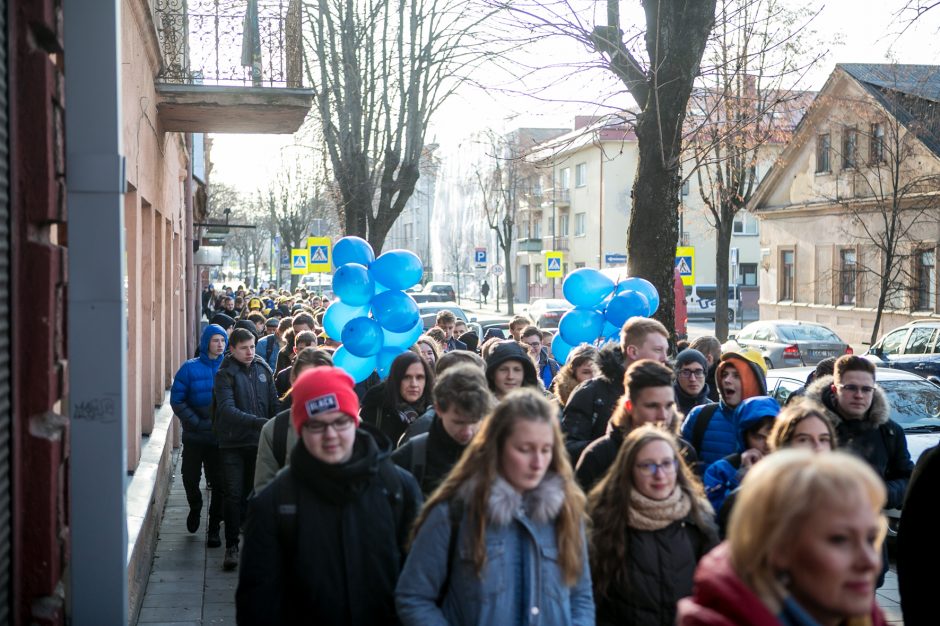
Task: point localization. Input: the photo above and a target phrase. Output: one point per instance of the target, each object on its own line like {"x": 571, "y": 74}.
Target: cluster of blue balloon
{"x": 364, "y": 284}
{"x": 601, "y": 307}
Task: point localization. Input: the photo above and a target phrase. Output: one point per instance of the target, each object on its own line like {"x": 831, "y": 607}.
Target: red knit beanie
{"x": 321, "y": 389}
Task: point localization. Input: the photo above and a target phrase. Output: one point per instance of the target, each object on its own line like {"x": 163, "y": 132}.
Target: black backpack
{"x": 279, "y": 441}
{"x": 419, "y": 456}
{"x": 701, "y": 425}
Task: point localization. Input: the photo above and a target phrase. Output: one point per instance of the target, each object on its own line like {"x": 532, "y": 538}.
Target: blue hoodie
{"x": 724, "y": 476}
{"x": 191, "y": 394}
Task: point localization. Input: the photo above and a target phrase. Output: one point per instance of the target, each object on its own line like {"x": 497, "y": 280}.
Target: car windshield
{"x": 808, "y": 333}
{"x": 914, "y": 403}
{"x": 552, "y": 304}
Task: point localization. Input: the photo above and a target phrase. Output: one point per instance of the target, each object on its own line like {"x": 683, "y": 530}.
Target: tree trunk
{"x": 882, "y": 301}
{"x": 722, "y": 253}
{"x": 507, "y": 262}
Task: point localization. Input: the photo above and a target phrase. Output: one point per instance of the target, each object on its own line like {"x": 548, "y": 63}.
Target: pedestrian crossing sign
{"x": 553, "y": 264}
{"x": 298, "y": 261}
{"x": 319, "y": 254}
{"x": 685, "y": 263}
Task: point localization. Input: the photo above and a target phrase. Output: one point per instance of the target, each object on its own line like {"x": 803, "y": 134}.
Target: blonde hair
{"x": 636, "y": 329}
{"x": 779, "y": 495}
{"x": 480, "y": 463}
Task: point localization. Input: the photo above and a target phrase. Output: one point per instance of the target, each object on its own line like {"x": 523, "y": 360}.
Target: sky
{"x": 857, "y": 31}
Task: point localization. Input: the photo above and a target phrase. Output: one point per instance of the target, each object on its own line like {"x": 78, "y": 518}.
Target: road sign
{"x": 553, "y": 264}
{"x": 685, "y": 261}
{"x": 298, "y": 260}
{"x": 319, "y": 255}
{"x": 615, "y": 259}
{"x": 479, "y": 257}
{"x": 497, "y": 270}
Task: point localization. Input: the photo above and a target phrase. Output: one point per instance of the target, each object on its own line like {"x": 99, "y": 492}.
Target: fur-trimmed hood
{"x": 821, "y": 391}
{"x": 541, "y": 504}
{"x": 611, "y": 364}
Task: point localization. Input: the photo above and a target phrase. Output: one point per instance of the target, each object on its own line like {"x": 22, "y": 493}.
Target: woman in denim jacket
{"x": 502, "y": 540}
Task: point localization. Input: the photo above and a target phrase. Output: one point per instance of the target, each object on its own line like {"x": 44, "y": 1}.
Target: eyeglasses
{"x": 339, "y": 425}
{"x": 692, "y": 373}
{"x": 651, "y": 469}
{"x": 534, "y": 344}
{"x": 865, "y": 389}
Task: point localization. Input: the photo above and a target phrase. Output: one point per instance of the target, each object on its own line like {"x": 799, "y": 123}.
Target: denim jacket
{"x": 520, "y": 537}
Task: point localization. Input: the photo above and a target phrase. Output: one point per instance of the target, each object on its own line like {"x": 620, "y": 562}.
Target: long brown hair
{"x": 610, "y": 499}
{"x": 480, "y": 463}
{"x": 790, "y": 417}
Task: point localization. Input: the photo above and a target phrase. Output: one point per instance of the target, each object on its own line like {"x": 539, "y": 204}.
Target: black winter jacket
{"x": 686, "y": 403}
{"x": 592, "y": 402}
{"x": 243, "y": 399}
{"x": 343, "y": 564}
{"x": 441, "y": 455}
{"x": 376, "y": 410}
{"x": 876, "y": 438}
{"x": 660, "y": 565}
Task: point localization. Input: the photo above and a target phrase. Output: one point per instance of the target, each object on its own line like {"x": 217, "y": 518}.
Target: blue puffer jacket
{"x": 191, "y": 394}
{"x": 521, "y": 582}
{"x": 724, "y": 476}
{"x": 720, "y": 438}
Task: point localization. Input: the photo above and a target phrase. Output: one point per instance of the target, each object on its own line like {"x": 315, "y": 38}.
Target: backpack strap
{"x": 394, "y": 490}
{"x": 701, "y": 425}
{"x": 269, "y": 349}
{"x": 285, "y": 500}
{"x": 279, "y": 441}
{"x": 419, "y": 456}
{"x": 454, "y": 516}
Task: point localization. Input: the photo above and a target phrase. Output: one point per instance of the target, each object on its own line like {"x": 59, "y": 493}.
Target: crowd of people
{"x": 482, "y": 482}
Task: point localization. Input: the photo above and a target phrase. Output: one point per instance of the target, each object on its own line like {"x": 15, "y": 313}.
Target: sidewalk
{"x": 187, "y": 585}
{"x": 889, "y": 599}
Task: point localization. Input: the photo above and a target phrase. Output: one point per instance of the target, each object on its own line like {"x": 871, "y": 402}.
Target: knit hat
{"x": 752, "y": 378}
{"x": 321, "y": 389}
{"x": 247, "y": 325}
{"x": 691, "y": 355}
{"x": 223, "y": 320}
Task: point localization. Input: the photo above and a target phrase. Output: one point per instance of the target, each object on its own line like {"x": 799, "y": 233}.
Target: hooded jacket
{"x": 511, "y": 351}
{"x": 721, "y": 435}
{"x": 592, "y": 402}
{"x": 441, "y": 455}
{"x": 243, "y": 400}
{"x": 876, "y": 438}
{"x": 191, "y": 394}
{"x": 725, "y": 475}
{"x": 720, "y": 598}
{"x": 521, "y": 545}
{"x": 342, "y": 566}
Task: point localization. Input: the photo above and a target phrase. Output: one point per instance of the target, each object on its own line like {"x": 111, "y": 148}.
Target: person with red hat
{"x": 334, "y": 520}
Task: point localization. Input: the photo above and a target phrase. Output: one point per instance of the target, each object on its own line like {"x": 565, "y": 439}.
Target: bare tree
{"x": 382, "y": 68}
{"x": 743, "y": 112}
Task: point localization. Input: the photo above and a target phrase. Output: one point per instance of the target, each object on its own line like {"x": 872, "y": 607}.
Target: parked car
{"x": 481, "y": 325}
{"x": 915, "y": 405}
{"x": 429, "y": 311}
{"x": 912, "y": 347}
{"x": 546, "y": 312}
{"x": 441, "y": 289}
{"x": 700, "y": 301}
{"x": 787, "y": 343}
{"x": 422, "y": 297}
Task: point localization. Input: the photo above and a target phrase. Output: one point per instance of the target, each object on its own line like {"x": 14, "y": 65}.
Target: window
{"x": 748, "y": 274}
{"x": 785, "y": 387}
{"x": 876, "y": 145}
{"x": 578, "y": 266}
{"x": 893, "y": 342}
{"x": 744, "y": 224}
{"x": 849, "y": 148}
{"x": 537, "y": 229}
{"x": 920, "y": 341}
{"x": 580, "y": 224}
{"x": 580, "y": 175}
{"x": 765, "y": 333}
{"x": 563, "y": 222}
{"x": 551, "y": 224}
{"x": 566, "y": 178}
{"x": 538, "y": 274}
{"x": 407, "y": 233}
{"x": 787, "y": 275}
{"x": 822, "y": 153}
{"x": 926, "y": 294}
{"x": 685, "y": 187}
{"x": 848, "y": 270}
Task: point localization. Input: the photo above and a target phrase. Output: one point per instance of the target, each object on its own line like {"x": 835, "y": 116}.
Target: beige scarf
{"x": 647, "y": 514}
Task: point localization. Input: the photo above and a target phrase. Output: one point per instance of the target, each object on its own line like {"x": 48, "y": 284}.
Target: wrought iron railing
{"x": 230, "y": 42}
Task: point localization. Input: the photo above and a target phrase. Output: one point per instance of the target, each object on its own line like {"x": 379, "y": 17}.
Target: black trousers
{"x": 238, "y": 477}
{"x": 196, "y": 457}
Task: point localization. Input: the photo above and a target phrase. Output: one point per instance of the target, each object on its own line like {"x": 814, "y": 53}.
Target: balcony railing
{"x": 556, "y": 243}
{"x": 529, "y": 245}
{"x": 230, "y": 42}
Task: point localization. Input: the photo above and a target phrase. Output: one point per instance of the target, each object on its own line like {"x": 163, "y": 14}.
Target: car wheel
{"x": 768, "y": 363}
{"x": 730, "y": 315}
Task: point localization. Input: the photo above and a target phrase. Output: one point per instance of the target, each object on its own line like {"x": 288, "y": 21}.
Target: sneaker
{"x": 231, "y": 559}
{"x": 212, "y": 538}
{"x": 192, "y": 520}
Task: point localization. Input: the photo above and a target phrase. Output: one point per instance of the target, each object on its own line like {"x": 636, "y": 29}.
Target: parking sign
{"x": 479, "y": 257}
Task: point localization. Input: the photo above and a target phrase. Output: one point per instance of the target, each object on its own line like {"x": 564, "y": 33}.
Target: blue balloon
{"x": 336, "y": 316}
{"x": 397, "y": 269}
{"x": 586, "y": 287}
{"x": 383, "y": 360}
{"x": 403, "y": 340}
{"x": 395, "y": 311}
{"x": 625, "y": 305}
{"x": 379, "y": 287}
{"x": 560, "y": 349}
{"x": 353, "y": 284}
{"x": 357, "y": 367}
{"x": 352, "y": 250}
{"x": 644, "y": 287}
{"x": 601, "y": 306}
{"x": 580, "y": 325}
{"x": 363, "y": 337}
{"x": 610, "y": 330}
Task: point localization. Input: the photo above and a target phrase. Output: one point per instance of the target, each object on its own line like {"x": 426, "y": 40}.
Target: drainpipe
{"x": 97, "y": 369}
{"x": 600, "y": 245}
{"x": 193, "y": 288}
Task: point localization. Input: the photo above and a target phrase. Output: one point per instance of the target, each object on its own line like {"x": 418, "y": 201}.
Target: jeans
{"x": 195, "y": 457}
{"x": 238, "y": 476}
